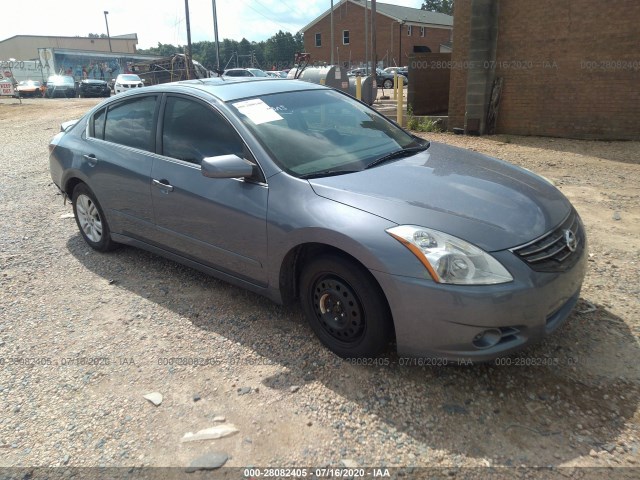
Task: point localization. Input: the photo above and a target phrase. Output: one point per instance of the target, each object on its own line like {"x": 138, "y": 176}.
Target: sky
{"x": 164, "y": 20}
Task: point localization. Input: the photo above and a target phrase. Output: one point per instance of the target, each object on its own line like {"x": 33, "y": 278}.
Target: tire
{"x": 345, "y": 307}
{"x": 388, "y": 83}
{"x": 90, "y": 219}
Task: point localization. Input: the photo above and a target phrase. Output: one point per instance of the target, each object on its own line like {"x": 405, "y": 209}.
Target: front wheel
{"x": 388, "y": 83}
{"x": 345, "y": 307}
{"x": 91, "y": 220}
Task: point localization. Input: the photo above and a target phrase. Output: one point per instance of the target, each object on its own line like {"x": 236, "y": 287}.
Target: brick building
{"x": 568, "y": 69}
{"x": 400, "y": 32}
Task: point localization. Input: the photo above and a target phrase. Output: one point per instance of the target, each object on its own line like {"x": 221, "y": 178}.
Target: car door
{"x": 117, "y": 159}
{"x": 218, "y": 222}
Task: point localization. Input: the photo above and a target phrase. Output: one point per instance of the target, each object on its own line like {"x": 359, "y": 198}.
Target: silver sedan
{"x": 301, "y": 193}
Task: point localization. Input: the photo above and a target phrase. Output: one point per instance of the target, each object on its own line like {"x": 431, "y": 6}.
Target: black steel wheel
{"x": 345, "y": 307}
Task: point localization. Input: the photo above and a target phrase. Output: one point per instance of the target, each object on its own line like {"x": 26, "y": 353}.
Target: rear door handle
{"x": 91, "y": 159}
{"x": 163, "y": 185}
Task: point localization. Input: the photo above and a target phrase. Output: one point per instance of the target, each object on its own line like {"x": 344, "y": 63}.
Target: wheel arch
{"x": 70, "y": 184}
{"x": 297, "y": 257}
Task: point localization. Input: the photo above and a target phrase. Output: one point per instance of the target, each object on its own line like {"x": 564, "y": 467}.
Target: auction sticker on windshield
{"x": 257, "y": 111}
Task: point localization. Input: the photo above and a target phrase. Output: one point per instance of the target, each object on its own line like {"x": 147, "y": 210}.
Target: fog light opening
{"x": 487, "y": 339}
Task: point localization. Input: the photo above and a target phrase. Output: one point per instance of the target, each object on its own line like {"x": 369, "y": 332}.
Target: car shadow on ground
{"x": 561, "y": 399}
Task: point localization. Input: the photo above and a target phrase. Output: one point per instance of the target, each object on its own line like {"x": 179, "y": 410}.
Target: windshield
{"x": 321, "y": 131}
{"x": 60, "y": 79}
{"x": 257, "y": 72}
{"x": 129, "y": 78}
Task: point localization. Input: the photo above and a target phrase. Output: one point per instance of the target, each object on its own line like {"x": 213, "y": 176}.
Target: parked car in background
{"x": 300, "y": 192}
{"x": 245, "y": 72}
{"x": 61, "y": 86}
{"x": 383, "y": 79}
{"x": 29, "y": 88}
{"x": 275, "y": 74}
{"x": 401, "y": 70}
{"x": 127, "y": 81}
{"x": 93, "y": 88}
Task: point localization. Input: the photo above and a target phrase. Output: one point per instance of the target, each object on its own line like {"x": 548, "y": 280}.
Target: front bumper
{"x": 125, "y": 87}
{"x": 439, "y": 321}
{"x": 95, "y": 92}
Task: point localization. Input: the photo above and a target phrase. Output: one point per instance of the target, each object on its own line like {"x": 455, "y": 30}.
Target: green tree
{"x": 280, "y": 49}
{"x": 162, "y": 50}
{"x": 442, "y": 6}
{"x": 277, "y": 51}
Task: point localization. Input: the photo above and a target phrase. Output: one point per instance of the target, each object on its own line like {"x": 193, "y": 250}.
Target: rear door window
{"x": 129, "y": 123}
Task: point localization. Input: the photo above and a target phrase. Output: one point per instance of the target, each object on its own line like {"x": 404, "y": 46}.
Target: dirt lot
{"x": 84, "y": 336}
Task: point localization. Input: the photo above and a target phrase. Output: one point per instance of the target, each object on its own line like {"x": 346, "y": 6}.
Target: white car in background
{"x": 127, "y": 81}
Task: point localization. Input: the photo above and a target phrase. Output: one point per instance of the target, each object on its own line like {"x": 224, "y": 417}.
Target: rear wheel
{"x": 345, "y": 307}
{"x": 388, "y": 83}
{"x": 91, "y": 220}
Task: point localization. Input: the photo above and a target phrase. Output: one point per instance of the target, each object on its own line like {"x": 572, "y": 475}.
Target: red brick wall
{"x": 349, "y": 16}
{"x": 570, "y": 69}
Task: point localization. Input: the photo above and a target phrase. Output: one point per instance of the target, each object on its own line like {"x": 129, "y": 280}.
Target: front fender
{"x": 298, "y": 216}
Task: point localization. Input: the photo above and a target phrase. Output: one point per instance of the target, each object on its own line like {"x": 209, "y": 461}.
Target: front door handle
{"x": 163, "y": 185}
{"x": 91, "y": 159}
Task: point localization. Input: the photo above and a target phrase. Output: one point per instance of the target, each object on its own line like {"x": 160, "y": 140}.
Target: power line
{"x": 263, "y": 15}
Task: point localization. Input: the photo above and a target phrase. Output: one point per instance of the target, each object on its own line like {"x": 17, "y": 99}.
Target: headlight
{"x": 449, "y": 259}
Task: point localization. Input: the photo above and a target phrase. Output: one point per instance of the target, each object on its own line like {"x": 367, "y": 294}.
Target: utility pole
{"x": 215, "y": 32}
{"x": 108, "y": 35}
{"x": 374, "y": 53}
{"x": 400, "y": 45}
{"x": 331, "y": 32}
{"x": 186, "y": 9}
{"x": 366, "y": 37}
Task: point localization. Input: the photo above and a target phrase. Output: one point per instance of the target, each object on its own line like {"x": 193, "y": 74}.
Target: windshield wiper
{"x": 327, "y": 173}
{"x": 405, "y": 152}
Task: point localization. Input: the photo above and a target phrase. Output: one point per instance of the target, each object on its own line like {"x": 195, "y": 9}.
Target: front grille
{"x": 557, "y": 250}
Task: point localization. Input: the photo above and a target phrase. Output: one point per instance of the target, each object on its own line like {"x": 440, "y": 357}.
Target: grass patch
{"x": 422, "y": 124}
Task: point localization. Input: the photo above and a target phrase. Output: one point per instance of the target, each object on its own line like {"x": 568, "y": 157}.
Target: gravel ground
{"x": 84, "y": 336}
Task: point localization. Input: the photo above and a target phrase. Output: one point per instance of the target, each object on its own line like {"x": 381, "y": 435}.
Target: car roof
{"x": 234, "y": 88}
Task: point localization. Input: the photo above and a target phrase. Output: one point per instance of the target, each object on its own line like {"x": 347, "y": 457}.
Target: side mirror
{"x": 226, "y": 166}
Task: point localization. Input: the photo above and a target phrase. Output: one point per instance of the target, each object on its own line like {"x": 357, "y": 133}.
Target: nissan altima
{"x": 301, "y": 193}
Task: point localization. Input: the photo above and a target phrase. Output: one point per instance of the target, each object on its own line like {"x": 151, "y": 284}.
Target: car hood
{"x": 483, "y": 200}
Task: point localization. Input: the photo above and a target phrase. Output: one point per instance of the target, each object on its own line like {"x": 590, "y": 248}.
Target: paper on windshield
{"x": 257, "y": 111}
